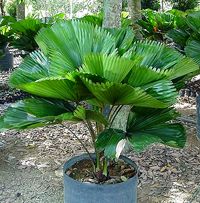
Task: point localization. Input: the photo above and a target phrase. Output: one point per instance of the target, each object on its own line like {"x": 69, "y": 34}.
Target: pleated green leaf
{"x": 67, "y": 42}
{"x": 179, "y": 36}
{"x": 141, "y": 75}
{"x": 169, "y": 134}
{"x": 141, "y": 118}
{"x": 155, "y": 54}
{"x": 36, "y": 112}
{"x": 184, "y": 67}
{"x": 124, "y": 38}
{"x": 192, "y": 50}
{"x": 148, "y": 125}
{"x": 193, "y": 21}
{"x": 86, "y": 114}
{"x": 57, "y": 88}
{"x": 108, "y": 140}
{"x": 112, "y": 68}
{"x": 163, "y": 90}
{"x": 122, "y": 94}
{"x": 34, "y": 67}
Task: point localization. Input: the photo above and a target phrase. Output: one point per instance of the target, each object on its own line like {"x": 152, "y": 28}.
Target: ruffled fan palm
{"x": 107, "y": 70}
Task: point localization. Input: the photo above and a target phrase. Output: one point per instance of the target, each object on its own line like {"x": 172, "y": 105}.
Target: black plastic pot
{"x": 78, "y": 192}
{"x": 6, "y": 61}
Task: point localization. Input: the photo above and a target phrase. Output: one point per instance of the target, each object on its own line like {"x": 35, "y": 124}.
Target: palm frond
{"x": 148, "y": 126}
{"x": 34, "y": 67}
{"x": 36, "y": 112}
{"x": 57, "y": 88}
{"x": 193, "y": 50}
{"x": 142, "y": 75}
{"x": 112, "y": 68}
{"x": 155, "y": 54}
{"x": 122, "y": 94}
{"x": 67, "y": 42}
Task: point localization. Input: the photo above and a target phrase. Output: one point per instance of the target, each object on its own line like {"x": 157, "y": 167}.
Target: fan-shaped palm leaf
{"x": 155, "y": 54}
{"x": 145, "y": 126}
{"x": 141, "y": 75}
{"x": 32, "y": 113}
{"x": 81, "y": 38}
{"x": 34, "y": 67}
{"x": 57, "y": 88}
{"x": 148, "y": 126}
{"x": 112, "y": 68}
{"x": 193, "y": 21}
{"x": 123, "y": 94}
{"x": 169, "y": 134}
{"x": 193, "y": 50}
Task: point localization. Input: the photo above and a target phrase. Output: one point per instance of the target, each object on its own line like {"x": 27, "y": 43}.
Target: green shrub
{"x": 23, "y": 33}
{"x": 11, "y": 8}
{"x": 155, "y": 24}
{"x": 184, "y": 5}
{"x": 152, "y": 4}
{"x": 187, "y": 37}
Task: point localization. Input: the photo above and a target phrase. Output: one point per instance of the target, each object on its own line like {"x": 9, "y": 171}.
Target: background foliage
{"x": 152, "y": 4}
{"x": 184, "y": 5}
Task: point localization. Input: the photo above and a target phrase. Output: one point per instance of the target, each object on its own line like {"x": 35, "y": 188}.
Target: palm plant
{"x": 82, "y": 62}
{"x": 186, "y": 35}
{"x": 151, "y": 4}
{"x": 23, "y": 33}
{"x": 155, "y": 24}
{"x": 184, "y": 5}
{"x": 4, "y": 38}
{"x": 2, "y": 45}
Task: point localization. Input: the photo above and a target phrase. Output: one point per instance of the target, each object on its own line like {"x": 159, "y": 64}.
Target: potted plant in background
{"x": 23, "y": 33}
{"x": 86, "y": 74}
{"x": 6, "y": 58}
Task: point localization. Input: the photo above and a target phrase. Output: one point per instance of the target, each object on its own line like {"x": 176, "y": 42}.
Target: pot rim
{"x": 80, "y": 157}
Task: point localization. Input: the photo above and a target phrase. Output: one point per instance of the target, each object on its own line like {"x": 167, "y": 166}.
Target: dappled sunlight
{"x": 176, "y": 193}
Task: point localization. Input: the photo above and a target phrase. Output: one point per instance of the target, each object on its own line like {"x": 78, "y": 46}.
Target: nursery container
{"x": 6, "y": 61}
{"x": 79, "y": 192}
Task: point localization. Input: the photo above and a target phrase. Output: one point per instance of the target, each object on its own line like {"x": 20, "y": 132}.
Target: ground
{"x": 31, "y": 163}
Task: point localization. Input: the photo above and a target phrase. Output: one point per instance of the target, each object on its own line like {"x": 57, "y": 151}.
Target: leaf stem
{"x": 98, "y": 167}
{"x": 110, "y": 112}
{"x": 88, "y": 124}
{"x": 84, "y": 147}
{"x": 105, "y": 167}
{"x": 117, "y": 110}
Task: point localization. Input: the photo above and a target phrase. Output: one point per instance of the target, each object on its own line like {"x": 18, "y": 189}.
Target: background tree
{"x": 11, "y": 8}
{"x": 2, "y": 4}
{"x": 112, "y": 13}
{"x": 21, "y": 9}
{"x": 134, "y": 8}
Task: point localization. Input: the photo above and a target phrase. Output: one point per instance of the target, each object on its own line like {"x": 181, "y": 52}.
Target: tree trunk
{"x": 2, "y": 7}
{"x": 134, "y": 7}
{"x": 71, "y": 9}
{"x": 112, "y": 19}
{"x": 21, "y": 11}
{"x": 162, "y": 5}
{"x": 112, "y": 13}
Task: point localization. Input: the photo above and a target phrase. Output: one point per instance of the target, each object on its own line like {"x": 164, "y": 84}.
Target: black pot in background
{"x": 6, "y": 61}
{"x": 78, "y": 192}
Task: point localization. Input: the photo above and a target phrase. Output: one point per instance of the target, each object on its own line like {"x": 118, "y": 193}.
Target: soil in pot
{"x": 83, "y": 171}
